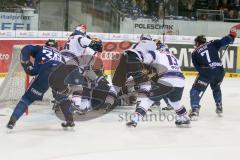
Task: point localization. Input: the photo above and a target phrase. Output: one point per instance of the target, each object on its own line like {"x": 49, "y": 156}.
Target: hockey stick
{"x": 164, "y": 21}
{"x": 202, "y": 93}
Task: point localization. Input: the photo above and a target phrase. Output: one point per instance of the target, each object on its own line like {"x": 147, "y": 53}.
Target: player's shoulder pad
{"x": 31, "y": 49}
{"x": 80, "y": 38}
{"x": 28, "y": 48}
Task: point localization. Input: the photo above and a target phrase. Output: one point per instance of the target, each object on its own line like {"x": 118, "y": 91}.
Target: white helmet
{"x": 145, "y": 37}
{"x": 80, "y": 29}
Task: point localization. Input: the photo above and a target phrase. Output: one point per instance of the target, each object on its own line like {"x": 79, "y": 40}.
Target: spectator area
{"x": 219, "y": 10}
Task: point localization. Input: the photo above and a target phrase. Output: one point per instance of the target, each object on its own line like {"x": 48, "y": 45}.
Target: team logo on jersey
{"x": 202, "y": 83}
{"x": 36, "y": 92}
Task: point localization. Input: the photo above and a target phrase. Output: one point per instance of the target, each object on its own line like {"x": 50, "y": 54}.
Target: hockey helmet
{"x": 52, "y": 43}
{"x": 200, "y": 40}
{"x": 80, "y": 29}
{"x": 145, "y": 37}
{"x": 159, "y": 44}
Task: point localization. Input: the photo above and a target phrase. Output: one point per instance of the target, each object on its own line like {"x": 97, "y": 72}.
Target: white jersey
{"x": 163, "y": 57}
{"x": 77, "y": 44}
{"x": 143, "y": 47}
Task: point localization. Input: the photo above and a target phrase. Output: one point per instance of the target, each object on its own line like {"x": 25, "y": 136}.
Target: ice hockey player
{"x": 130, "y": 65}
{"x": 172, "y": 81}
{"x": 46, "y": 60}
{"x": 210, "y": 70}
{"x": 84, "y": 48}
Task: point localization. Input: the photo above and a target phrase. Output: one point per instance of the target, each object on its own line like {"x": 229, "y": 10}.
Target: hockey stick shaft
{"x": 202, "y": 93}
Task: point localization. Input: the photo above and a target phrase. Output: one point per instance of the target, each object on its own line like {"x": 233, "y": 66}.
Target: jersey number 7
{"x": 207, "y": 55}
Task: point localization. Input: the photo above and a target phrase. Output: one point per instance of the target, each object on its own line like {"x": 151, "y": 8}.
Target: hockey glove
{"x": 28, "y": 68}
{"x": 233, "y": 33}
{"x": 96, "y": 45}
{"x": 84, "y": 68}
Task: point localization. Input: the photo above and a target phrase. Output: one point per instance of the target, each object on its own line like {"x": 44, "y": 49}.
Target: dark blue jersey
{"x": 206, "y": 56}
{"x": 44, "y": 57}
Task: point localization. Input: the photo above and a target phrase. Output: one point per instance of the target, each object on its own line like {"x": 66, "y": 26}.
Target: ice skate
{"x": 183, "y": 121}
{"x": 194, "y": 113}
{"x": 219, "y": 109}
{"x": 11, "y": 123}
{"x": 156, "y": 104}
{"x": 131, "y": 124}
{"x": 168, "y": 108}
{"x": 67, "y": 124}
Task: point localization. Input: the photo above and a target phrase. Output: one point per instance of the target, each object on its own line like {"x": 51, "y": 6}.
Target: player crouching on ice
{"x": 172, "y": 79}
{"x": 81, "y": 50}
{"x": 46, "y": 60}
{"x": 84, "y": 48}
{"x": 210, "y": 70}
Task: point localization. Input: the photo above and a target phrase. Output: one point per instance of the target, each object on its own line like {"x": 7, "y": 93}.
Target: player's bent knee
{"x": 29, "y": 98}
{"x": 176, "y": 94}
{"x": 201, "y": 84}
{"x": 159, "y": 91}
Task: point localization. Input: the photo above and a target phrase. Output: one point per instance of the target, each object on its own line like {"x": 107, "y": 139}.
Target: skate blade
{"x": 9, "y": 131}
{"x": 184, "y": 126}
{"x": 71, "y": 129}
{"x": 131, "y": 126}
{"x": 219, "y": 114}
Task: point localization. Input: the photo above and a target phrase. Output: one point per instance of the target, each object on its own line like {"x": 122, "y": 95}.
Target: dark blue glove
{"x": 28, "y": 68}
{"x": 96, "y": 45}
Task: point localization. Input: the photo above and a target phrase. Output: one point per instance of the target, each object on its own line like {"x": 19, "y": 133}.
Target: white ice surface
{"x": 40, "y": 137}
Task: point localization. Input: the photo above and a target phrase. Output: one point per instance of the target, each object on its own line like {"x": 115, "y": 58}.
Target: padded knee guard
{"x": 197, "y": 91}
{"x": 195, "y": 97}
